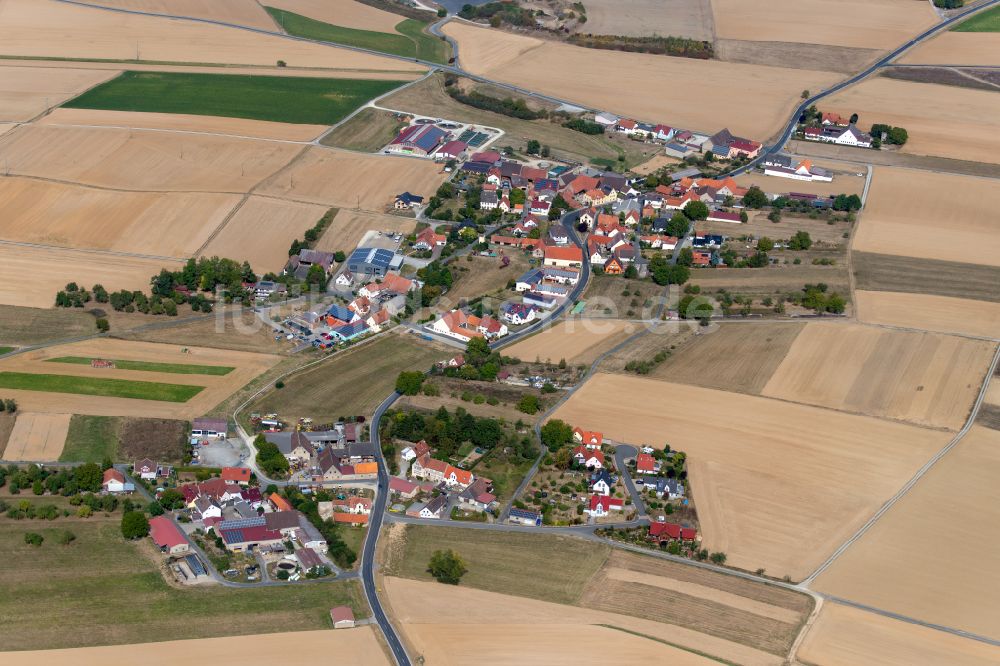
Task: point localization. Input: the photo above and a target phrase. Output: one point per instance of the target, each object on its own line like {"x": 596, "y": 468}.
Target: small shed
{"x": 342, "y": 617}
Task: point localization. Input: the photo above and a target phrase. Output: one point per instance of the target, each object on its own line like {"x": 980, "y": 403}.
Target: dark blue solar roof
{"x": 196, "y": 566}
{"x": 373, "y": 256}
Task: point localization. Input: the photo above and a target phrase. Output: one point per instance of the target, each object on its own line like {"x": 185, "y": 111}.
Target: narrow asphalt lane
{"x": 371, "y": 539}
{"x": 622, "y": 453}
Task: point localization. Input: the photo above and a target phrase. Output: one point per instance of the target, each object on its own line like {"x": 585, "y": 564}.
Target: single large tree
{"x": 447, "y": 567}
{"x": 135, "y": 525}
{"x": 555, "y": 433}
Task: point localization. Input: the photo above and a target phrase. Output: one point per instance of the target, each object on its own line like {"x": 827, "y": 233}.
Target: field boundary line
{"x": 915, "y": 478}
{"x": 166, "y": 130}
{"x": 104, "y": 188}
{"x": 89, "y": 250}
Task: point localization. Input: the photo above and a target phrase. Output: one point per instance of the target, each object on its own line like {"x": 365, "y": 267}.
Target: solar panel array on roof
{"x": 196, "y": 566}
{"x": 372, "y": 256}
{"x": 478, "y": 139}
{"x": 466, "y": 135}
{"x": 240, "y": 523}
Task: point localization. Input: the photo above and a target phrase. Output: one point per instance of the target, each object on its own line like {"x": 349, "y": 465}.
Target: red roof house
{"x": 240, "y": 475}
{"x": 167, "y": 535}
{"x": 645, "y": 464}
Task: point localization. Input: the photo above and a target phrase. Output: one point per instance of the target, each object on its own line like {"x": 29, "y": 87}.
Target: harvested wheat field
{"x": 350, "y": 226}
{"x": 261, "y": 231}
{"x": 246, "y": 366}
{"x": 37, "y": 437}
{"x": 645, "y": 84}
{"x": 350, "y": 180}
{"x": 906, "y": 214}
{"x": 945, "y": 121}
{"x": 957, "y": 48}
{"x": 924, "y": 378}
{"x": 25, "y": 92}
{"x": 352, "y": 646}
{"x": 845, "y": 636}
{"x": 166, "y": 224}
{"x": 649, "y": 18}
{"x": 895, "y": 567}
{"x": 54, "y": 29}
{"x": 804, "y": 456}
{"x": 31, "y": 276}
{"x": 179, "y": 122}
{"x": 932, "y": 313}
{"x": 240, "y": 12}
{"x": 460, "y": 625}
{"x": 143, "y": 160}
{"x": 346, "y": 13}
{"x": 887, "y": 23}
{"x": 578, "y": 341}
{"x": 732, "y": 357}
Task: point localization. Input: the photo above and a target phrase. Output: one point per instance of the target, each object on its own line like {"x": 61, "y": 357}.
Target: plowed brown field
{"x": 845, "y": 636}
{"x": 25, "y": 93}
{"x": 894, "y": 567}
{"x": 945, "y": 121}
{"x": 905, "y": 214}
{"x": 803, "y": 457}
{"x": 350, "y": 180}
{"x": 142, "y": 160}
{"x": 239, "y": 127}
{"x": 217, "y": 387}
{"x": 261, "y": 231}
{"x": 645, "y": 85}
{"x": 925, "y": 378}
{"x": 53, "y": 29}
{"x": 887, "y": 23}
{"x": 931, "y": 313}
{"x": 154, "y": 223}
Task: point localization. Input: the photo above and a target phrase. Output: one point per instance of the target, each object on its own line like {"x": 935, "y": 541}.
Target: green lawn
{"x": 988, "y": 21}
{"x": 114, "y": 388}
{"x": 103, "y": 590}
{"x": 6, "y": 350}
{"x": 536, "y": 565}
{"x": 91, "y": 439}
{"x": 410, "y": 41}
{"x": 173, "y": 368}
{"x": 286, "y": 99}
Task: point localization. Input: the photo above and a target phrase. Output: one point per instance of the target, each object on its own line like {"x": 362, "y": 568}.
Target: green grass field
{"x": 91, "y": 439}
{"x": 111, "y": 388}
{"x": 285, "y": 99}
{"x": 560, "y": 566}
{"x": 410, "y": 41}
{"x": 988, "y": 21}
{"x": 6, "y": 350}
{"x": 103, "y": 590}
{"x": 173, "y": 368}
{"x": 351, "y": 384}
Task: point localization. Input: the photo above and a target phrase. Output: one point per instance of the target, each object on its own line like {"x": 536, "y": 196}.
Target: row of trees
{"x": 312, "y": 235}
{"x": 515, "y": 108}
{"x": 682, "y": 47}
{"x": 445, "y": 431}
{"x": 86, "y": 478}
